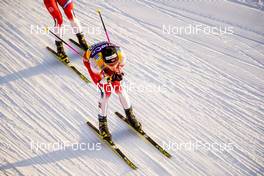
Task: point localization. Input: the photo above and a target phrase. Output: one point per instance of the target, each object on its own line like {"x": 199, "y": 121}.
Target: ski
{"x": 113, "y": 146}
{"x": 145, "y": 136}
{"x": 77, "y": 44}
{"x": 70, "y": 65}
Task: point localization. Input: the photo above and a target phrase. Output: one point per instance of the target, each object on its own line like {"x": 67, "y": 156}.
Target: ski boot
{"x": 103, "y": 128}
{"x": 82, "y": 41}
{"x": 132, "y": 119}
{"x": 61, "y": 53}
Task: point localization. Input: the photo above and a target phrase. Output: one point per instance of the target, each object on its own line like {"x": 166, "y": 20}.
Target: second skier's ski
{"x": 68, "y": 64}
{"x": 76, "y": 43}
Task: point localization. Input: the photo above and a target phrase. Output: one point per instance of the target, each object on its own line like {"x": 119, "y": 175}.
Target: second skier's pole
{"x": 49, "y": 31}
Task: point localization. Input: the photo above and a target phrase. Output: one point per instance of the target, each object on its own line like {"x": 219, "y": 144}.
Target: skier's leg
{"x": 125, "y": 102}
{"x": 53, "y": 9}
{"x": 67, "y": 6}
{"x": 122, "y": 95}
{"x": 103, "y": 101}
{"x": 102, "y": 116}
{"x": 95, "y": 77}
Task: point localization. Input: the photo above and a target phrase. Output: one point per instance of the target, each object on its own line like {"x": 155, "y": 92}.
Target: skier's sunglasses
{"x": 112, "y": 65}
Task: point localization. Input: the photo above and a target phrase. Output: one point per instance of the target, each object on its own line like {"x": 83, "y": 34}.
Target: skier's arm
{"x": 104, "y": 78}
{"x": 94, "y": 67}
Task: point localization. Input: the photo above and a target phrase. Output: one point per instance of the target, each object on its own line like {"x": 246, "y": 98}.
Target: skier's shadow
{"x": 68, "y": 152}
{"x": 49, "y": 62}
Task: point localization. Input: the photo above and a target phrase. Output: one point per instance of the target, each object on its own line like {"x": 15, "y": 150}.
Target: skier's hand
{"x": 117, "y": 77}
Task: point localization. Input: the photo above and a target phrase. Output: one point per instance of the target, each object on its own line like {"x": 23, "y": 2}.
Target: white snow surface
{"x": 205, "y": 104}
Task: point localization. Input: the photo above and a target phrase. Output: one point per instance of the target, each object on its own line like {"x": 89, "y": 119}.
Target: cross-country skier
{"x": 104, "y": 62}
{"x": 67, "y": 5}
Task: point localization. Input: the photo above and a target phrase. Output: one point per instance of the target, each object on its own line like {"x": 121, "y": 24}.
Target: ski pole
{"x": 106, "y": 33}
{"x": 49, "y": 31}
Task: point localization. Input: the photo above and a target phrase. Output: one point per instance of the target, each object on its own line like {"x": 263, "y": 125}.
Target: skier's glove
{"x": 117, "y": 77}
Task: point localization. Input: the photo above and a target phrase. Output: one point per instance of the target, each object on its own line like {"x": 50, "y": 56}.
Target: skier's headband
{"x": 110, "y": 58}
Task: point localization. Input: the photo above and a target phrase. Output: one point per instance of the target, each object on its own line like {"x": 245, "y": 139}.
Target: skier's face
{"x": 113, "y": 66}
